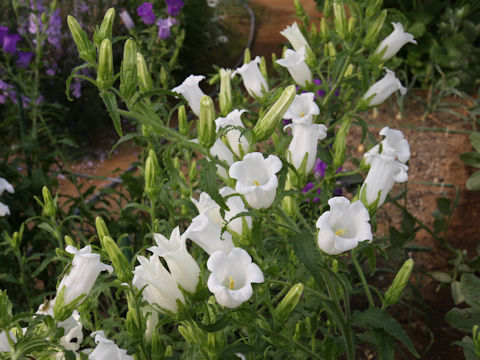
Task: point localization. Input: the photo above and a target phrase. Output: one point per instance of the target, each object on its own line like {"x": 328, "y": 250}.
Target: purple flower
{"x": 287, "y": 122}
{"x": 321, "y": 93}
{"x": 54, "y": 30}
{"x": 50, "y": 72}
{"x": 145, "y": 11}
{"x": 24, "y": 58}
{"x": 174, "y": 7}
{"x": 77, "y": 88}
{"x": 3, "y": 32}
{"x": 10, "y": 43}
{"x": 319, "y": 168}
{"x": 164, "y": 26}
{"x": 32, "y": 23}
{"x": 338, "y": 191}
{"x": 309, "y": 186}
{"x": 4, "y": 85}
{"x": 317, "y": 81}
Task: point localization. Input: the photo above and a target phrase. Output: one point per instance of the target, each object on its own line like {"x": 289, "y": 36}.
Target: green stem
{"x": 362, "y": 277}
{"x": 26, "y": 289}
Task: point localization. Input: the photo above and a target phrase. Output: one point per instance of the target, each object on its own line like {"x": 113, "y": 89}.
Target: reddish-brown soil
{"x": 435, "y": 171}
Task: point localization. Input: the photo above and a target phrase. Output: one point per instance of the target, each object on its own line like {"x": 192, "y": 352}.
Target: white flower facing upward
{"x": 159, "y": 286}
{"x": 238, "y": 142}
{"x": 384, "y": 88}
{"x": 294, "y": 61}
{"x": 304, "y": 141}
{"x": 256, "y": 178}
{"x": 384, "y": 172}
{"x": 302, "y": 108}
{"x": 295, "y": 36}
{"x": 86, "y": 267}
{"x": 181, "y": 264}
{"x": 236, "y": 206}
{"x": 253, "y": 79}
{"x": 394, "y": 42}
{"x": 232, "y": 276}
{"x": 208, "y": 235}
{"x": 107, "y": 349}
{"x": 342, "y": 227}
{"x": 5, "y": 186}
{"x": 191, "y": 91}
{"x": 394, "y": 144}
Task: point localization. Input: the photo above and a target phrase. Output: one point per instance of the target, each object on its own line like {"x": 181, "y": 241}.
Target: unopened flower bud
{"x": 313, "y": 31}
{"x": 49, "y": 206}
{"x": 339, "y": 144}
{"x": 352, "y": 21}
{"x": 134, "y": 320}
{"x": 340, "y": 19}
{"x": 323, "y": 29}
{"x": 269, "y": 122}
{"x": 105, "y": 65}
{"x": 144, "y": 77}
{"x": 349, "y": 70}
{"x": 156, "y": 346}
{"x": 152, "y": 171}
{"x": 247, "y": 57}
{"x": 327, "y": 8}
{"x": 105, "y": 31}
{"x": 119, "y": 262}
{"x": 128, "y": 75}
{"x": 374, "y": 30}
{"x": 192, "y": 172}
{"x": 206, "y": 122}
{"x": 289, "y": 302}
{"x": 476, "y": 339}
{"x": 183, "y": 125}
{"x": 263, "y": 67}
{"x": 373, "y": 7}
{"x": 395, "y": 291}
{"x": 69, "y": 241}
{"x": 164, "y": 77}
{"x": 85, "y": 48}
{"x": 298, "y": 8}
{"x": 225, "y": 95}
{"x": 331, "y": 49}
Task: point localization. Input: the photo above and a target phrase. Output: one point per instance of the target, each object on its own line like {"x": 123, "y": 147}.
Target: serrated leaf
{"x": 379, "y": 319}
{"x": 385, "y": 344}
{"x": 111, "y": 103}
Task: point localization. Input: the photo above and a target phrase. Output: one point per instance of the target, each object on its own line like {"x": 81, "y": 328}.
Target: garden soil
{"x": 435, "y": 171}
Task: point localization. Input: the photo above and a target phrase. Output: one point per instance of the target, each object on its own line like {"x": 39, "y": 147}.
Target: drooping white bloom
{"x": 4, "y": 344}
{"x": 231, "y": 277}
{"x": 107, "y": 349}
{"x": 127, "y": 19}
{"x": 302, "y": 108}
{"x": 253, "y": 79}
{"x": 342, "y": 227}
{"x": 73, "y": 334}
{"x": 394, "y": 144}
{"x": 238, "y": 142}
{"x": 384, "y": 172}
{"x": 5, "y": 186}
{"x": 191, "y": 91}
{"x": 223, "y": 152}
{"x": 236, "y": 206}
{"x": 384, "y": 88}
{"x": 294, "y": 61}
{"x": 208, "y": 235}
{"x": 206, "y": 206}
{"x": 304, "y": 141}
{"x": 181, "y": 264}
{"x": 86, "y": 267}
{"x": 256, "y": 178}
{"x": 160, "y": 286}
{"x": 295, "y": 36}
{"x": 394, "y": 42}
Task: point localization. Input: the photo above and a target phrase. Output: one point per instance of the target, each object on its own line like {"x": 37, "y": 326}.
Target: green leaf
{"x": 456, "y": 293}
{"x": 468, "y": 348}
{"x": 111, "y": 103}
{"x": 208, "y": 181}
{"x": 379, "y": 319}
{"x": 304, "y": 246}
{"x": 471, "y": 158}
{"x": 172, "y": 170}
{"x": 5, "y": 309}
{"x": 385, "y": 345}
{"x": 470, "y": 287}
{"x": 475, "y": 140}
{"x": 443, "y": 204}
{"x": 137, "y": 206}
{"x": 441, "y": 276}
{"x": 44, "y": 264}
{"x": 220, "y": 324}
{"x": 473, "y": 182}
{"x": 463, "y": 319}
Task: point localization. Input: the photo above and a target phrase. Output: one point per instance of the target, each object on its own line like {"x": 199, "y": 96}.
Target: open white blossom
{"x": 238, "y": 142}
{"x": 294, "y": 61}
{"x": 208, "y": 235}
{"x": 343, "y": 226}
{"x": 384, "y": 88}
{"x": 236, "y": 206}
{"x": 232, "y": 276}
{"x": 191, "y": 91}
{"x": 295, "y": 36}
{"x": 107, "y": 349}
{"x": 253, "y": 79}
{"x": 302, "y": 108}
{"x": 394, "y": 42}
{"x": 394, "y": 144}
{"x": 223, "y": 152}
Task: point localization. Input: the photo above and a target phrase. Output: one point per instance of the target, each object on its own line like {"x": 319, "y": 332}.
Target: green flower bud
{"x": 225, "y": 95}
{"x": 119, "y": 262}
{"x": 152, "y": 172}
{"x": 373, "y": 7}
{"x": 476, "y": 339}
{"x": 351, "y": 24}
{"x": 105, "y": 31}
{"x": 340, "y": 19}
{"x": 313, "y": 31}
{"x": 289, "y": 303}
{"x": 263, "y": 67}
{"x": 183, "y": 125}
{"x": 374, "y": 30}
{"x": 247, "y": 57}
{"x": 102, "y": 229}
{"x": 105, "y": 65}
{"x": 69, "y": 241}
{"x": 128, "y": 75}
{"x": 288, "y": 203}
{"x": 144, "y": 78}
{"x": 327, "y": 8}
{"x": 339, "y": 144}
{"x": 269, "y": 122}
{"x": 349, "y": 70}
{"x": 134, "y": 320}
{"x": 395, "y": 291}
{"x": 49, "y": 205}
{"x": 298, "y": 8}
{"x": 206, "y": 122}
{"x": 156, "y": 347}
{"x": 323, "y": 29}
{"x": 85, "y": 48}
{"x": 164, "y": 77}
{"x": 331, "y": 49}
{"x": 192, "y": 172}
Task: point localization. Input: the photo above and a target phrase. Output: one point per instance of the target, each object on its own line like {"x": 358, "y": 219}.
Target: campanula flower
{"x": 191, "y": 91}
{"x": 236, "y": 206}
{"x": 145, "y": 11}
{"x": 295, "y": 37}
{"x": 10, "y": 43}
{"x": 394, "y": 144}
{"x": 164, "y": 26}
{"x": 107, "y": 349}
{"x": 384, "y": 88}
{"x": 223, "y": 152}
{"x": 303, "y": 108}
{"x": 238, "y": 142}
{"x": 24, "y": 58}
{"x": 294, "y": 61}
{"x": 174, "y": 7}
{"x": 208, "y": 235}
{"x": 394, "y": 42}
{"x": 253, "y": 79}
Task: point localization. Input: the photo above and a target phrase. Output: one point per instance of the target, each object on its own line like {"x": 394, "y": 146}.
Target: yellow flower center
{"x": 256, "y": 183}
{"x": 302, "y": 114}
{"x": 340, "y": 232}
{"x": 232, "y": 283}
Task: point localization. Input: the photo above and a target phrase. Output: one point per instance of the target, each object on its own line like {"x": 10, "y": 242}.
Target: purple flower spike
{"x": 54, "y": 30}
{"x": 10, "y": 43}
{"x": 319, "y": 168}
{"x": 145, "y": 11}
{"x": 3, "y": 32}
{"x": 174, "y": 7}
{"x": 24, "y": 58}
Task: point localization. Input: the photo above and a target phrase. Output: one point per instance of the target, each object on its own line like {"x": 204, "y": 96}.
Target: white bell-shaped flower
{"x": 4, "y": 344}
{"x": 181, "y": 264}
{"x": 223, "y": 152}
{"x": 5, "y": 186}
{"x": 232, "y": 276}
{"x": 208, "y": 235}
{"x": 238, "y": 142}
{"x": 295, "y": 36}
{"x": 343, "y": 226}
{"x": 206, "y": 206}
{"x": 159, "y": 286}
{"x": 236, "y": 206}
{"x": 294, "y": 61}
{"x": 304, "y": 141}
{"x": 253, "y": 79}
{"x": 86, "y": 267}
{"x": 394, "y": 42}
{"x": 256, "y": 178}
{"x": 190, "y": 90}
{"x": 384, "y": 172}
{"x": 107, "y": 349}
{"x": 302, "y": 108}
{"x": 394, "y": 144}
{"x": 384, "y": 88}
